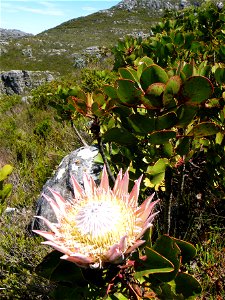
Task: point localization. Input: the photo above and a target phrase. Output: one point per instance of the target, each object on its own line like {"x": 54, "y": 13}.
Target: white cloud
{"x": 8, "y": 7}
{"x": 36, "y": 7}
{"x": 42, "y": 11}
{"x": 88, "y": 8}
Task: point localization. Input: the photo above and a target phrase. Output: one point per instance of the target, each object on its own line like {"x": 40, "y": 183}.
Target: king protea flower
{"x": 101, "y": 224}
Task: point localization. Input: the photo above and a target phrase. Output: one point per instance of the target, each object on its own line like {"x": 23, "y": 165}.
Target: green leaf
{"x": 220, "y": 75}
{"x": 187, "y": 285}
{"x": 161, "y": 137}
{"x": 166, "y": 39}
{"x": 157, "y": 171}
{"x": 142, "y": 64}
{"x": 205, "y": 71}
{"x": 197, "y": 89}
{"x": 185, "y": 114}
{"x": 110, "y": 91}
{"x": 172, "y": 89}
{"x": 117, "y": 296}
{"x": 80, "y": 105}
{"x": 142, "y": 124}
{"x": 6, "y": 191}
{"x": 222, "y": 50}
{"x": 158, "y": 167}
{"x": 204, "y": 129}
{"x": 219, "y": 138}
{"x": 96, "y": 110}
{"x": 168, "y": 149}
{"x": 128, "y": 92}
{"x": 153, "y": 96}
{"x": 122, "y": 111}
{"x": 169, "y": 249}
{"x": 55, "y": 269}
{"x": 183, "y": 146}
{"x": 179, "y": 39}
{"x": 99, "y": 98}
{"x": 77, "y": 92}
{"x": 127, "y": 73}
{"x": 189, "y": 37}
{"x": 120, "y": 136}
{"x": 195, "y": 46}
{"x": 166, "y": 121}
{"x": 188, "y": 251}
{"x": 147, "y": 60}
{"x": 170, "y": 48}
{"x": 152, "y": 262}
{"x": 153, "y": 74}
{"x": 188, "y": 70}
{"x": 222, "y": 17}
{"x": 5, "y": 171}
{"x": 67, "y": 293}
{"x": 157, "y": 179}
{"x": 98, "y": 159}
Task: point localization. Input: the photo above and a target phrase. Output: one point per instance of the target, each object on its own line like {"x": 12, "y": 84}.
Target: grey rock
{"x": 27, "y": 52}
{"x": 20, "y": 82}
{"x": 7, "y": 34}
{"x": 57, "y": 51}
{"x": 152, "y": 5}
{"x": 75, "y": 163}
{"x": 25, "y": 99}
{"x": 81, "y": 60}
{"x": 11, "y": 210}
{"x": 220, "y": 5}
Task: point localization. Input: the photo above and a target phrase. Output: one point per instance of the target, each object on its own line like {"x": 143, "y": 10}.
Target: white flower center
{"x": 98, "y": 218}
{"x": 94, "y": 225}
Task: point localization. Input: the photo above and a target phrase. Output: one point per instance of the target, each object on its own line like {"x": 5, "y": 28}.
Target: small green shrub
{"x": 7, "y": 102}
{"x": 43, "y": 128}
{"x": 19, "y": 254}
{"x": 92, "y": 80}
{"x": 208, "y": 266}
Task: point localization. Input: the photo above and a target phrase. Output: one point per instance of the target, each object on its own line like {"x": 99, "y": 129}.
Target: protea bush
{"x": 99, "y": 234}
{"x": 101, "y": 224}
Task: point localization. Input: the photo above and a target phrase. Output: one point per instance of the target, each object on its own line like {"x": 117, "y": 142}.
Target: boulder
{"x": 75, "y": 163}
{"x": 19, "y": 81}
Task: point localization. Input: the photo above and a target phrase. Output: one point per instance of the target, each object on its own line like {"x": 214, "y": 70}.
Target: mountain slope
{"x": 57, "y": 48}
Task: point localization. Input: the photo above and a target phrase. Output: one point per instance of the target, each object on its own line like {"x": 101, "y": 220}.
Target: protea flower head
{"x": 101, "y": 224}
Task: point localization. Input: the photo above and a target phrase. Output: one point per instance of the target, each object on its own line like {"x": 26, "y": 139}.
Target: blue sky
{"x": 34, "y": 16}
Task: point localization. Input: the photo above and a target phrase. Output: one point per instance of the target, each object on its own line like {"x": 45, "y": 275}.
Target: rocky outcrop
{"x": 152, "y": 5}
{"x": 7, "y": 34}
{"x": 135, "y": 4}
{"x": 88, "y": 55}
{"x": 75, "y": 163}
{"x": 20, "y": 82}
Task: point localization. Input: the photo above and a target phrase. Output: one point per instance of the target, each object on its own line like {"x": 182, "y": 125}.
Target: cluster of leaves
{"x": 154, "y": 271}
{"x": 92, "y": 80}
{"x": 193, "y": 33}
{"x": 165, "y": 110}
{"x": 156, "y": 120}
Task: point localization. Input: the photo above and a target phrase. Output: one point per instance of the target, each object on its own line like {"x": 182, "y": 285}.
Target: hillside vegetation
{"x": 160, "y": 110}
{"x": 56, "y": 49}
